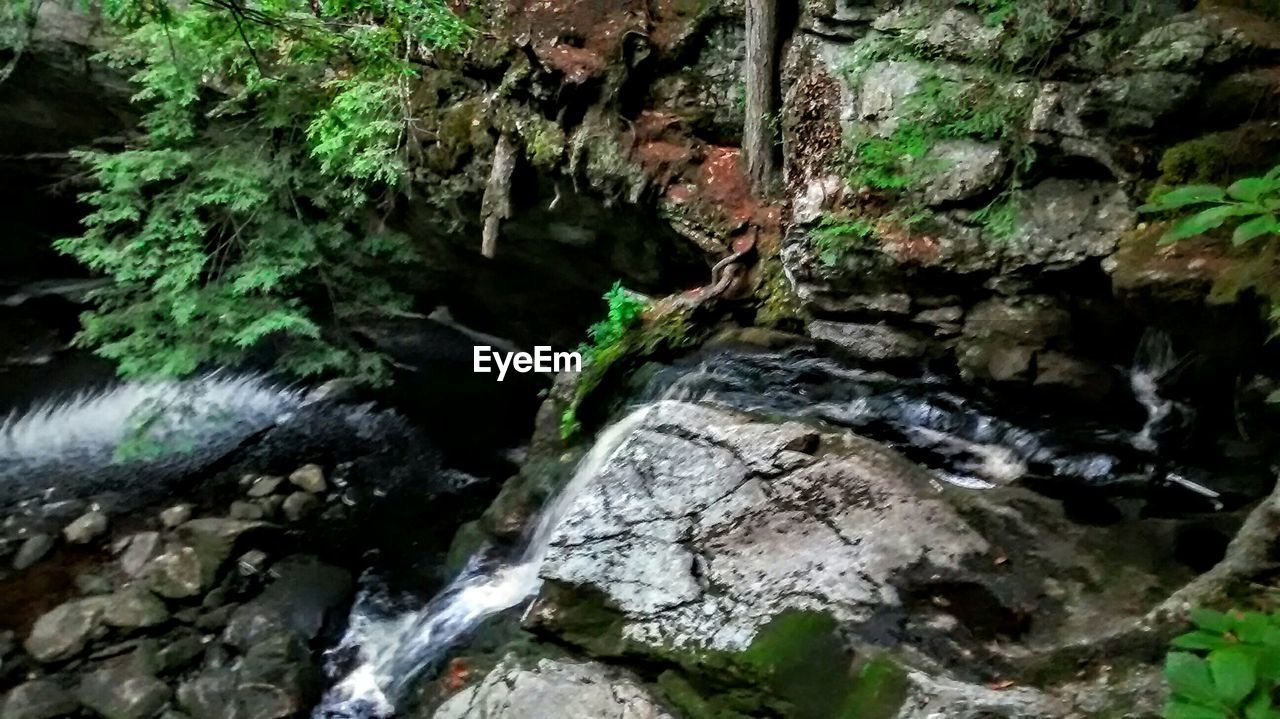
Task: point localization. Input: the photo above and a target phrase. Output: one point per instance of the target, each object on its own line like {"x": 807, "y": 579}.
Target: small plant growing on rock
{"x": 1252, "y": 202}
{"x": 1228, "y": 667}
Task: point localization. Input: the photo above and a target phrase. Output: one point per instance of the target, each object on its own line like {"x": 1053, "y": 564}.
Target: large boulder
{"x": 65, "y": 630}
{"x": 552, "y": 688}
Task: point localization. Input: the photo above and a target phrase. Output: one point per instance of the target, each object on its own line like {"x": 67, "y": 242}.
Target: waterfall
{"x": 1153, "y": 362}
{"x": 393, "y": 651}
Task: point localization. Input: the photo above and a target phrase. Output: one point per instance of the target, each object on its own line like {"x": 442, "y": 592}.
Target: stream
{"x": 1102, "y": 469}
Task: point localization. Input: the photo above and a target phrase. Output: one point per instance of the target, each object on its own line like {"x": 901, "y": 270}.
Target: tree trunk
{"x": 761, "y": 79}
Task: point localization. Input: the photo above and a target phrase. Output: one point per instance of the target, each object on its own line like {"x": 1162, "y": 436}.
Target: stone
{"x": 252, "y": 562}
{"x": 176, "y": 574}
{"x": 966, "y": 169}
{"x": 264, "y": 485}
{"x": 210, "y": 695}
{"x": 181, "y": 652}
{"x": 65, "y": 630}
{"x": 139, "y": 549}
{"x": 299, "y": 506}
{"x": 304, "y": 592}
{"x": 245, "y": 510}
{"x": 309, "y": 478}
{"x": 1081, "y": 378}
{"x": 175, "y": 515}
{"x": 122, "y": 690}
{"x": 38, "y": 699}
{"x": 134, "y": 608}
{"x": 874, "y": 343}
{"x": 88, "y": 527}
{"x": 885, "y": 87}
{"x": 33, "y": 549}
{"x": 553, "y": 688}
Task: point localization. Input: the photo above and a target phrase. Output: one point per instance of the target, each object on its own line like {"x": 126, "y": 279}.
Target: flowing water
{"x": 961, "y": 439}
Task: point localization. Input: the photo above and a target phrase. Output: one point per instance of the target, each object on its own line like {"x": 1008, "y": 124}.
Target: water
{"x": 393, "y": 650}
{"x": 961, "y": 439}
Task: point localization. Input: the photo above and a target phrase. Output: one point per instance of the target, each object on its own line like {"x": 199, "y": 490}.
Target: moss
{"x": 544, "y": 142}
{"x": 1220, "y": 157}
{"x": 779, "y": 306}
{"x": 466, "y": 542}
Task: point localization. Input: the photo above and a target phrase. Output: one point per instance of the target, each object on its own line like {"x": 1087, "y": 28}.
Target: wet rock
{"x": 553, "y": 688}
{"x": 64, "y": 631}
{"x": 38, "y": 699}
{"x": 121, "y": 689}
{"x": 252, "y": 562}
{"x": 1001, "y": 336}
{"x": 138, "y": 550}
{"x": 175, "y": 515}
{"x": 297, "y": 602}
{"x": 299, "y": 506}
{"x": 134, "y": 608}
{"x": 210, "y": 695}
{"x": 934, "y": 697}
{"x": 33, "y": 549}
{"x": 86, "y": 528}
{"x": 309, "y": 478}
{"x": 181, "y": 652}
{"x": 263, "y": 486}
{"x": 1062, "y": 372}
{"x": 871, "y": 342}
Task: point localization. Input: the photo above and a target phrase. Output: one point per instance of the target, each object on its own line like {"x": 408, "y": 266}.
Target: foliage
{"x": 242, "y": 218}
{"x": 1251, "y": 204}
{"x": 17, "y": 23}
{"x": 836, "y": 236}
{"x": 605, "y": 346}
{"x": 1228, "y": 667}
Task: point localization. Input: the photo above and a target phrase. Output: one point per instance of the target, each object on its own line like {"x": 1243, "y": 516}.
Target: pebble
{"x": 175, "y": 515}
{"x": 309, "y": 478}
{"x": 32, "y": 550}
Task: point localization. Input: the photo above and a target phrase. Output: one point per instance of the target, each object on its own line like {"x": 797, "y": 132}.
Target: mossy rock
{"x": 1221, "y": 157}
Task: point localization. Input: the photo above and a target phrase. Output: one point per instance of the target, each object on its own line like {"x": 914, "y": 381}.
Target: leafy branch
{"x": 1252, "y": 203}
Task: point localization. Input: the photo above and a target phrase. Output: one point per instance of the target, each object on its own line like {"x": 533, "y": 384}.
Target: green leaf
{"x": 1189, "y": 677}
{"x": 1255, "y": 228}
{"x": 1202, "y": 640}
{"x": 1234, "y": 674}
{"x": 1203, "y": 221}
{"x": 1250, "y": 189}
{"x": 1212, "y": 620}
{"x": 1259, "y": 706}
{"x": 1177, "y": 709}
{"x": 1186, "y": 195}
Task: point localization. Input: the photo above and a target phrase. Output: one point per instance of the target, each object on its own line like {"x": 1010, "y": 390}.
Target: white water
{"x": 1153, "y": 363}
{"x": 393, "y": 651}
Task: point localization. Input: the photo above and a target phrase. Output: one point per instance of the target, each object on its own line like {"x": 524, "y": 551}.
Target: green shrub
{"x": 834, "y": 237}
{"x": 1228, "y": 667}
{"x": 607, "y": 343}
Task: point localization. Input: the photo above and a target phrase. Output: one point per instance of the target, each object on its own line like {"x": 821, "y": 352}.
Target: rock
{"x": 122, "y": 690}
{"x": 1001, "y": 336}
{"x": 38, "y": 699}
{"x": 134, "y": 608}
{"x": 263, "y": 486}
{"x": 874, "y": 343}
{"x": 176, "y": 574}
{"x": 966, "y": 169}
{"x": 210, "y": 695}
{"x": 299, "y": 506}
{"x": 175, "y": 515}
{"x": 553, "y": 688}
{"x": 934, "y": 697}
{"x": 86, "y": 528}
{"x": 64, "y": 631}
{"x": 245, "y": 510}
{"x": 885, "y": 87}
{"x": 1080, "y": 378}
{"x": 309, "y": 478}
{"x": 33, "y": 549}
{"x": 304, "y": 592}
{"x": 252, "y": 562}
{"x": 139, "y": 549}
{"x": 181, "y": 652}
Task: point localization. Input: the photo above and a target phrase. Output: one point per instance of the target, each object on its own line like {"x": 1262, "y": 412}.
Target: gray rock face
{"x": 121, "y": 690}
{"x": 875, "y": 343}
{"x": 552, "y": 688}
{"x": 176, "y": 574}
{"x": 38, "y": 699}
{"x": 64, "y": 631}
{"x": 138, "y": 550}
{"x": 966, "y": 169}
{"x": 304, "y": 592}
